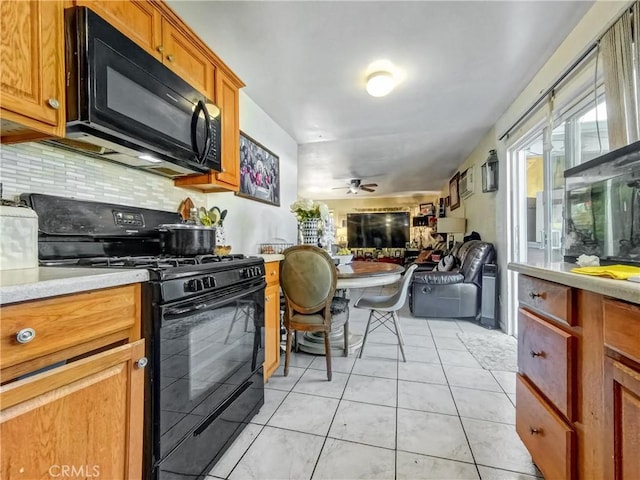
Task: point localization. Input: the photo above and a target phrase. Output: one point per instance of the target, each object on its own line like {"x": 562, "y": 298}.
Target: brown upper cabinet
{"x": 144, "y": 23}
{"x": 32, "y": 70}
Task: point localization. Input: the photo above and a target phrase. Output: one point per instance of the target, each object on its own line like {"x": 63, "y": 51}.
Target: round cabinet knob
{"x": 53, "y": 103}
{"x": 170, "y": 58}
{"x": 273, "y": 273}
{"x": 25, "y": 335}
{"x": 534, "y": 431}
{"x": 142, "y": 362}
{"x": 160, "y": 48}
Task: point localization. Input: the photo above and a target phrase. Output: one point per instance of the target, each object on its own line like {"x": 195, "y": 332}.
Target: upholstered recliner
{"x": 454, "y": 294}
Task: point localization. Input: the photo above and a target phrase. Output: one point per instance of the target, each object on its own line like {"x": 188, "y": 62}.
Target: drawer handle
{"x": 25, "y": 335}
{"x": 535, "y": 295}
{"x": 170, "y": 58}
{"x": 537, "y": 354}
{"x": 535, "y": 431}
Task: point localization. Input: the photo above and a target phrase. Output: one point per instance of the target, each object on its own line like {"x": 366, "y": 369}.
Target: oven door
{"x": 206, "y": 355}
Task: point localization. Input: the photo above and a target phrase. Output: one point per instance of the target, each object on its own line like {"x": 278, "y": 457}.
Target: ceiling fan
{"x": 355, "y": 185}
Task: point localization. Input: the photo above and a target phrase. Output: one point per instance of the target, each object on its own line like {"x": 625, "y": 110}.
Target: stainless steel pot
{"x": 185, "y": 239}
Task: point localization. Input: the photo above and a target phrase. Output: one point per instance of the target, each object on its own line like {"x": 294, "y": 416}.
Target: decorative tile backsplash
{"x": 40, "y": 168}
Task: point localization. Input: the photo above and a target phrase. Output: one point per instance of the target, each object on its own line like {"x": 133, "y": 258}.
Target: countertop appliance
{"x": 18, "y": 238}
{"x": 124, "y": 105}
{"x": 203, "y": 322}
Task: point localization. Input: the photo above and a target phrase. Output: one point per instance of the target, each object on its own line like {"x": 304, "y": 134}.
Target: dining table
{"x": 352, "y": 275}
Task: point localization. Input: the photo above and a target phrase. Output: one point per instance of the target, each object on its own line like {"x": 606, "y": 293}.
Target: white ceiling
{"x": 462, "y": 63}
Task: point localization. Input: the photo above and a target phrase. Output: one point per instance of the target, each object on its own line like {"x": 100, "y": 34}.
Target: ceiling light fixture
{"x": 380, "y": 83}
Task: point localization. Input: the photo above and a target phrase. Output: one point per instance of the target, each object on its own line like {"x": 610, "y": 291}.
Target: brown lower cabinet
{"x": 272, "y": 320}
{"x": 578, "y": 386}
{"x": 80, "y": 420}
{"x": 72, "y": 392}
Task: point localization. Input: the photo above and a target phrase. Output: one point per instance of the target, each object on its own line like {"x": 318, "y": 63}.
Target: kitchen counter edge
{"x": 43, "y": 282}
{"x": 561, "y": 273}
{"x": 271, "y": 257}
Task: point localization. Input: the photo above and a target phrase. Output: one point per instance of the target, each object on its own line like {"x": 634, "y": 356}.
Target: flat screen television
{"x": 378, "y": 230}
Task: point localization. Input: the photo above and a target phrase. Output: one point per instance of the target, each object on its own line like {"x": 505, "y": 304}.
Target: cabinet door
{"x": 138, "y": 20}
{"x": 622, "y": 404}
{"x": 227, "y": 99}
{"x": 271, "y": 330}
{"x": 80, "y": 420}
{"x": 183, "y": 57}
{"x": 32, "y": 65}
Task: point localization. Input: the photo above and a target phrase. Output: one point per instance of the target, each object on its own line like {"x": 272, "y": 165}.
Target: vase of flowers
{"x": 310, "y": 217}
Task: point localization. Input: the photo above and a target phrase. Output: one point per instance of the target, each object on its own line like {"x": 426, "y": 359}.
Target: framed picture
{"x": 427, "y": 209}
{"x": 454, "y": 191}
{"x": 259, "y": 172}
{"x": 359, "y": 253}
{"x": 397, "y": 253}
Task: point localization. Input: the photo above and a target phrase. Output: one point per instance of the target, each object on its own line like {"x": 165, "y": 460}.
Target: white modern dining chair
{"x": 383, "y": 310}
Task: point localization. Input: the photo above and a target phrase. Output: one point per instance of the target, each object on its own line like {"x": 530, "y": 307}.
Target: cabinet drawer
{"x": 64, "y": 322}
{"x": 548, "y": 438}
{"x": 272, "y": 273}
{"x": 545, "y": 356}
{"x": 622, "y": 328}
{"x": 548, "y": 298}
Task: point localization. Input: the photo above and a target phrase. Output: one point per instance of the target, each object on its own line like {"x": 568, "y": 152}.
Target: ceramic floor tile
{"x": 421, "y": 372}
{"x": 488, "y": 473}
{"x": 378, "y": 391}
{"x": 380, "y": 350}
{"x": 272, "y": 400}
{"x": 419, "y": 341}
{"x": 363, "y": 423}
{"x": 305, "y": 413}
{"x": 427, "y": 397}
{"x": 415, "y": 329}
{"x": 411, "y": 466}
{"x": 445, "y": 332}
{"x": 346, "y": 460}
{"x": 382, "y": 335}
{"x": 444, "y": 324}
{"x": 299, "y": 359}
{"x": 458, "y": 358}
{"x": 240, "y": 445}
{"x": 280, "y": 454}
{"x": 422, "y": 355}
{"x": 507, "y": 380}
{"x": 376, "y": 367}
{"x": 512, "y": 397}
{"x": 314, "y": 382}
{"x": 483, "y": 405}
{"x": 339, "y": 363}
{"x": 498, "y": 445}
{"x": 449, "y": 343}
{"x": 471, "y": 378}
{"x": 278, "y": 381}
{"x": 432, "y": 434}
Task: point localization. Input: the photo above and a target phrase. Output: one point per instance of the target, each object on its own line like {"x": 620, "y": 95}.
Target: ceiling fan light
{"x": 380, "y": 84}
{"x": 353, "y": 189}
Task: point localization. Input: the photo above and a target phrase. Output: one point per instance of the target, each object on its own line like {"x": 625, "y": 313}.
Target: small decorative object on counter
{"x": 311, "y": 216}
{"x": 274, "y": 248}
{"x": 588, "y": 261}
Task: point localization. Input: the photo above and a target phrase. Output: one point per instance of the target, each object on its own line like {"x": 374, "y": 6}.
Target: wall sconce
{"x": 490, "y": 173}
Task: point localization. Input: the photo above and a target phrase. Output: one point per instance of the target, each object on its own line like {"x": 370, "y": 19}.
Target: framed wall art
{"x": 259, "y": 172}
{"x": 427, "y": 209}
{"x": 454, "y": 191}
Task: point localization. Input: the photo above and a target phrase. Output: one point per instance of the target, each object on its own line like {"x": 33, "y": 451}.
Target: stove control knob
{"x": 209, "y": 282}
{"x": 194, "y": 285}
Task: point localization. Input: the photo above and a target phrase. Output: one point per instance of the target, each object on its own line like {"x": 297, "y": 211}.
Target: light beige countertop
{"x": 270, "y": 257}
{"x": 42, "y": 282}
{"x": 561, "y": 273}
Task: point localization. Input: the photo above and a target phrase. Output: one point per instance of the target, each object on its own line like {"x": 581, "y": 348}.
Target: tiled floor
{"x": 438, "y": 416}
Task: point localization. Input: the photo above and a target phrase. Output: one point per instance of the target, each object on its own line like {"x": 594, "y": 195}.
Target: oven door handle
{"x": 207, "y": 304}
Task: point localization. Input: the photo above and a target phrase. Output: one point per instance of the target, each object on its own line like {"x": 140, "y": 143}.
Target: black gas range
{"x": 202, "y": 320}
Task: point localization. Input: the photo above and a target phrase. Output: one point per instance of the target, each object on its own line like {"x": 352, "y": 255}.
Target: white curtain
{"x": 620, "y": 47}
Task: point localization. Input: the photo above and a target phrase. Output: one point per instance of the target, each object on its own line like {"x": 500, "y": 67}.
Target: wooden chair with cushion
{"x": 308, "y": 279}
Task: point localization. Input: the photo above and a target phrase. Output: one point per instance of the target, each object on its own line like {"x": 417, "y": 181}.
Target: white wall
{"x": 248, "y": 222}
{"x": 590, "y": 28}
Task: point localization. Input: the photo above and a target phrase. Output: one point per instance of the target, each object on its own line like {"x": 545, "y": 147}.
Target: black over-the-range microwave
{"x": 124, "y": 105}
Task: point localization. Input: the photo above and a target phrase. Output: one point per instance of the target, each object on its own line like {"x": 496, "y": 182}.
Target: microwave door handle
{"x": 200, "y": 107}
